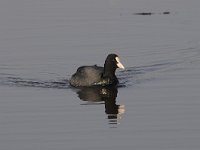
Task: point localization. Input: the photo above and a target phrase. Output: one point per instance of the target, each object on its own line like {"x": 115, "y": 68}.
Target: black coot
{"x": 96, "y": 75}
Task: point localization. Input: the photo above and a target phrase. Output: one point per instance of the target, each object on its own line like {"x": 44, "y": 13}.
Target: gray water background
{"x": 42, "y": 42}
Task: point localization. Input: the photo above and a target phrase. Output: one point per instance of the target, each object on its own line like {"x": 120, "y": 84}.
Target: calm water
{"x": 155, "y": 107}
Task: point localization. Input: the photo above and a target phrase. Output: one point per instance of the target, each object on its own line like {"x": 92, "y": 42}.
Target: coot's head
{"x": 113, "y": 62}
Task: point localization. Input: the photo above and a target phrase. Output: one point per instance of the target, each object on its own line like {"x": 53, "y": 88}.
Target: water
{"x": 156, "y": 105}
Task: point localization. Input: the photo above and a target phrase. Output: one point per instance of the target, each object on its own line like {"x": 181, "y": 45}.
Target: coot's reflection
{"x": 108, "y": 96}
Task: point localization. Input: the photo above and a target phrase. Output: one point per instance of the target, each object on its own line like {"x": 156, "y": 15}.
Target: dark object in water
{"x": 144, "y": 13}
{"x": 151, "y": 13}
{"x": 166, "y": 13}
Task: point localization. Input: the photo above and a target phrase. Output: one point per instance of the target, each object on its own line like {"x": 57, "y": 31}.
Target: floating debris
{"x": 166, "y": 13}
{"x": 144, "y": 13}
{"x": 151, "y": 13}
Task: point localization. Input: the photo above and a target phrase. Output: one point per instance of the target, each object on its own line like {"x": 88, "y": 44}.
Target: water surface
{"x": 156, "y": 105}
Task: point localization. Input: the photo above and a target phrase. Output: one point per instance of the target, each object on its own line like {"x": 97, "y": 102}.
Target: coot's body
{"x": 96, "y": 75}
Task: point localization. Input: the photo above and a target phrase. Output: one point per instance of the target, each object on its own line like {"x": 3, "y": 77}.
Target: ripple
{"x": 128, "y": 77}
{"x": 22, "y": 82}
{"x": 141, "y": 74}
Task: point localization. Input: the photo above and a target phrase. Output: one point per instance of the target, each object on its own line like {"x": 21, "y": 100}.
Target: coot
{"x": 96, "y": 75}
